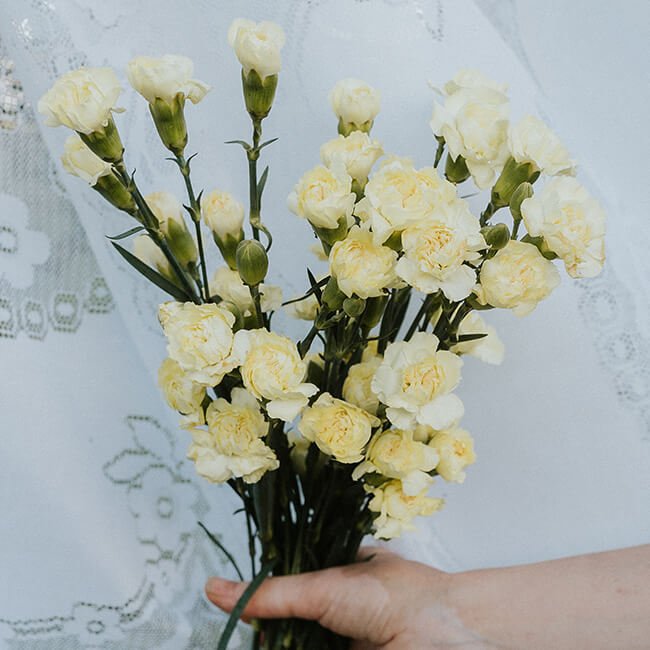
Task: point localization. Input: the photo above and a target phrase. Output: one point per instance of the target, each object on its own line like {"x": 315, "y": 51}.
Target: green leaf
{"x": 242, "y": 602}
{"x": 241, "y": 142}
{"x": 223, "y": 549}
{"x": 126, "y": 233}
{"x": 267, "y": 143}
{"x": 315, "y": 288}
{"x": 151, "y": 275}
{"x": 262, "y": 182}
{"x": 464, "y": 338}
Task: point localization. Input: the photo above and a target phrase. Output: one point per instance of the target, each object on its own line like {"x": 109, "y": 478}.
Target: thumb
{"x": 306, "y": 596}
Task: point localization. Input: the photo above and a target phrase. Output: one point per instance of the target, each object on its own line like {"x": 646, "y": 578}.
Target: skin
{"x": 590, "y": 602}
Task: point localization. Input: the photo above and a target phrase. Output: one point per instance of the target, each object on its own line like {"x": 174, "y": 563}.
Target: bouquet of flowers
{"x": 342, "y": 432}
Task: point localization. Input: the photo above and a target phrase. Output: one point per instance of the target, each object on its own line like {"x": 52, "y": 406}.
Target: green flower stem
{"x": 151, "y": 224}
{"x": 257, "y": 303}
{"x": 195, "y": 211}
{"x": 486, "y": 215}
{"x": 253, "y": 154}
{"x": 425, "y": 307}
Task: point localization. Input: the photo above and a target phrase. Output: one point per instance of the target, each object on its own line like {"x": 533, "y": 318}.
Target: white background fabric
{"x": 99, "y": 543}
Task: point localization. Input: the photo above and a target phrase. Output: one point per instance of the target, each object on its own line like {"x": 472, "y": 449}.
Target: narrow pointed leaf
{"x": 151, "y": 275}
{"x": 464, "y": 338}
{"x": 267, "y": 143}
{"x": 126, "y": 233}
{"x": 241, "y": 142}
{"x": 223, "y": 549}
{"x": 241, "y": 604}
{"x": 262, "y": 182}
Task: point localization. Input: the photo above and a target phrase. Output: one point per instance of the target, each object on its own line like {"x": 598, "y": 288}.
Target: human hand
{"x": 381, "y": 601}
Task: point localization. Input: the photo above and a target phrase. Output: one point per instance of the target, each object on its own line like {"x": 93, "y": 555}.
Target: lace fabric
{"x": 75, "y": 321}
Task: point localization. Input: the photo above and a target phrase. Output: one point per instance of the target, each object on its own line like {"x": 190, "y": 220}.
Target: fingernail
{"x": 215, "y": 585}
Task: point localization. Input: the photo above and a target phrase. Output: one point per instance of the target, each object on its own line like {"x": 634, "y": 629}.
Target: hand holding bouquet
{"x": 340, "y": 433}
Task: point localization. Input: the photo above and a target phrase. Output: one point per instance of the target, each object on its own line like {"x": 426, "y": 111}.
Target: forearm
{"x": 598, "y": 601}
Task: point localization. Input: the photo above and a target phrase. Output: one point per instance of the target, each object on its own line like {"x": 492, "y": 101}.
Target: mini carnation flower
{"x": 228, "y": 285}
{"x": 436, "y": 249}
{"x": 200, "y": 339}
{"x": 324, "y": 197}
{"x": 272, "y": 369}
{"x": 232, "y": 446}
{"x": 396, "y": 510}
{"x": 473, "y": 120}
{"x": 82, "y": 100}
{"x": 165, "y": 78}
{"x": 532, "y": 141}
{"x": 339, "y": 429}
{"x": 305, "y": 309}
{"x": 355, "y": 103}
{"x": 455, "y": 448}
{"x": 146, "y": 249}
{"x": 398, "y": 195}
{"x": 181, "y": 392}
{"x": 356, "y": 152}
{"x": 222, "y": 213}
{"x": 362, "y": 267}
{"x": 572, "y": 224}
{"x": 517, "y": 278}
{"x": 489, "y": 349}
{"x": 357, "y": 388}
{"x": 395, "y": 454}
{"x": 80, "y": 161}
{"x": 257, "y": 45}
{"x": 415, "y": 381}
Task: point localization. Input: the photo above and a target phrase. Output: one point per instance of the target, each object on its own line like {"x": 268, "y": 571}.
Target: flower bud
{"x": 258, "y": 93}
{"x": 456, "y": 170}
{"x": 116, "y": 194}
{"x": 356, "y": 104}
{"x": 332, "y": 296}
{"x": 496, "y": 236}
{"x": 105, "y": 142}
{"x": 252, "y": 262}
{"x": 169, "y": 213}
{"x": 147, "y": 250}
{"x": 512, "y": 176}
{"x": 354, "y": 307}
{"x": 523, "y": 192}
{"x": 224, "y": 215}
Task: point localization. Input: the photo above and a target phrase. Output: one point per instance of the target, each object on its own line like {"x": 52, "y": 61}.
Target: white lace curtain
{"x": 99, "y": 540}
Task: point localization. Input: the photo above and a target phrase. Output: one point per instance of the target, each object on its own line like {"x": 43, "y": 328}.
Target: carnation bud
{"x": 258, "y": 93}
{"x": 354, "y": 307}
{"x": 252, "y": 262}
{"x": 169, "y": 118}
{"x": 333, "y": 297}
{"x": 512, "y": 176}
{"x": 456, "y": 170}
{"x": 116, "y": 194}
{"x": 105, "y": 142}
{"x": 496, "y": 236}
{"x": 523, "y": 192}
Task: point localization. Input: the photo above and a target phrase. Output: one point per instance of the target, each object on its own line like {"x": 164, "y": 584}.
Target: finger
{"x": 302, "y": 596}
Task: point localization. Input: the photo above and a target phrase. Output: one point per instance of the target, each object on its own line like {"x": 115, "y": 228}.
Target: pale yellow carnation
{"x": 200, "y": 339}
{"x": 398, "y": 195}
{"x": 473, "y": 120}
{"x": 489, "y": 349}
{"x": 80, "y": 161}
{"x": 82, "y": 100}
{"x": 228, "y": 285}
{"x": 324, "y": 197}
{"x": 339, "y": 429}
{"x": 517, "y": 278}
{"x": 436, "y": 249}
{"x": 361, "y": 266}
{"x": 181, "y": 392}
{"x": 455, "y": 447}
{"x": 357, "y": 152}
{"x": 165, "y": 77}
{"x": 415, "y": 381}
{"x": 257, "y": 45}
{"x": 395, "y": 510}
{"x": 395, "y": 454}
{"x": 357, "y": 386}
{"x": 272, "y": 369}
{"x": 355, "y": 102}
{"x": 532, "y": 141}
{"x": 233, "y": 446}
{"x": 572, "y": 224}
